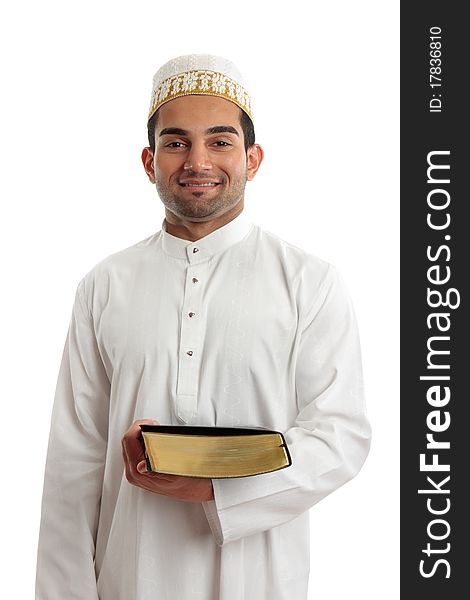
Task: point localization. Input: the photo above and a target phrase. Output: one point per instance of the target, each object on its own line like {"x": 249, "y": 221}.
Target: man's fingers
{"x": 132, "y": 446}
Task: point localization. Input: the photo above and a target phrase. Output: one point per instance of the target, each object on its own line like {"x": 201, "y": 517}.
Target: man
{"x": 210, "y": 321}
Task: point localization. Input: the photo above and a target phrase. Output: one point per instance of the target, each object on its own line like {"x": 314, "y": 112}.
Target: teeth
{"x": 199, "y": 184}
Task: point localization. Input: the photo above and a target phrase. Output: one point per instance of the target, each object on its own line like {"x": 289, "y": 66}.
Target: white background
{"x": 76, "y": 81}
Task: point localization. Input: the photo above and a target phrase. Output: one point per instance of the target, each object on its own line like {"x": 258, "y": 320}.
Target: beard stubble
{"x": 201, "y": 204}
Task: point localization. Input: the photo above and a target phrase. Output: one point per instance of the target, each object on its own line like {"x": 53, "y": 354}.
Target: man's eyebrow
{"x": 172, "y": 131}
{"x": 222, "y": 129}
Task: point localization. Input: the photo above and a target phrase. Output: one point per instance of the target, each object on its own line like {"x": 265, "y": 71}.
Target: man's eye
{"x": 221, "y": 143}
{"x": 176, "y": 145}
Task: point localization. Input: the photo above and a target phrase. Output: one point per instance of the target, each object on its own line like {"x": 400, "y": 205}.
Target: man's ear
{"x": 147, "y": 161}
{"x": 254, "y": 158}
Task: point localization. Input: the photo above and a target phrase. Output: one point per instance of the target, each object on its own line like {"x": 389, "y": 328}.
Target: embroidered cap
{"x": 199, "y": 74}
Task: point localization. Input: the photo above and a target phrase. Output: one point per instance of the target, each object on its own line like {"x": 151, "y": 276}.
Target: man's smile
{"x": 195, "y": 184}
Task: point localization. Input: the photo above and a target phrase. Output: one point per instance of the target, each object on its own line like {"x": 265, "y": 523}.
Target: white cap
{"x": 199, "y": 74}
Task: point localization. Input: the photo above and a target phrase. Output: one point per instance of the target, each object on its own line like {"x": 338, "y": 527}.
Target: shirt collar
{"x": 206, "y": 247}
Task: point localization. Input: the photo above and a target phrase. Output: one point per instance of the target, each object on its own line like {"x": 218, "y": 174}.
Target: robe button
{"x": 191, "y": 314}
{"x": 195, "y": 280}
{"x": 189, "y": 352}
{"x": 195, "y": 250}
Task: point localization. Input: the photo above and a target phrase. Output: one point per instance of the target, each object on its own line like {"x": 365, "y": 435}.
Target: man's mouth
{"x": 192, "y": 183}
{"x": 199, "y": 185}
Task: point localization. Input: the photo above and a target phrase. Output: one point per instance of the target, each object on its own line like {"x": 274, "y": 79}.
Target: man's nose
{"x": 198, "y": 158}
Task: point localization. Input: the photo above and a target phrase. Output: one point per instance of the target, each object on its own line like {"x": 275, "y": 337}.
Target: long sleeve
{"x": 74, "y": 468}
{"x": 331, "y": 435}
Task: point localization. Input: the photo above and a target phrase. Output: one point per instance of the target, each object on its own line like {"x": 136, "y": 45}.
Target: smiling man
{"x": 209, "y": 321}
{"x": 200, "y": 171}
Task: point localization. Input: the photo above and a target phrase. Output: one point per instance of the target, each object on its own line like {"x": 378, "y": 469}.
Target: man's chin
{"x": 194, "y": 207}
{"x": 201, "y": 213}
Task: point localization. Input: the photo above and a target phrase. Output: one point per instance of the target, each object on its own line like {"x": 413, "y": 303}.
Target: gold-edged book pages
{"x": 214, "y": 452}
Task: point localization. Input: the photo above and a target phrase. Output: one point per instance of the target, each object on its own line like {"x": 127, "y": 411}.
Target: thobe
{"x": 239, "y": 328}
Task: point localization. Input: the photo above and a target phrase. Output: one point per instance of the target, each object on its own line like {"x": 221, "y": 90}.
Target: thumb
{"x": 142, "y": 467}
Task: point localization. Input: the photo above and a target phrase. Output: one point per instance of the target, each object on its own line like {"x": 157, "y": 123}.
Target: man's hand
{"x": 190, "y": 489}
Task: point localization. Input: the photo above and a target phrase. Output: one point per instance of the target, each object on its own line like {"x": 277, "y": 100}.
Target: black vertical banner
{"x": 435, "y": 268}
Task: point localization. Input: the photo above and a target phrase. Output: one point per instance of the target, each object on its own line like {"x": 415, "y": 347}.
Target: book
{"x": 214, "y": 452}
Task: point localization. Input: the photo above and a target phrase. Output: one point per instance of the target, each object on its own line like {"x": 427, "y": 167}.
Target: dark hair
{"x": 245, "y": 122}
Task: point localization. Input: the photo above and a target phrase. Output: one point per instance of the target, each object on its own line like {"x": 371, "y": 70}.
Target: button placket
{"x": 191, "y": 339}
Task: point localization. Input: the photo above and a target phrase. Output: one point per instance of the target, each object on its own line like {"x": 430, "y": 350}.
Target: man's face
{"x": 200, "y": 163}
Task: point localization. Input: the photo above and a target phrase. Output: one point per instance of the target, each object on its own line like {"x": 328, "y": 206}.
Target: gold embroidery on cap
{"x": 210, "y": 83}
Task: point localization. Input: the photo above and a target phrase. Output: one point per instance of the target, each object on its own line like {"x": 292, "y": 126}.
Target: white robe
{"x": 274, "y": 344}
